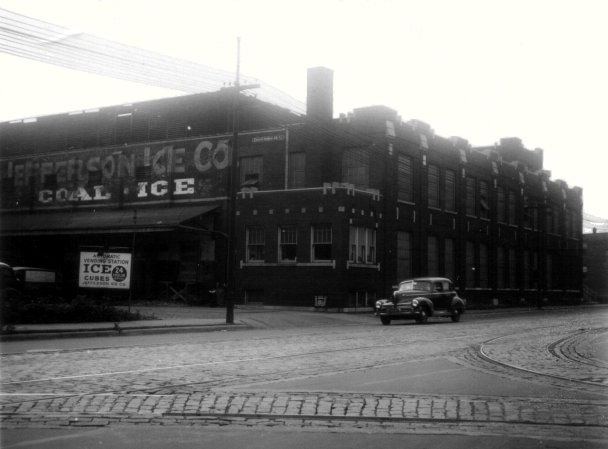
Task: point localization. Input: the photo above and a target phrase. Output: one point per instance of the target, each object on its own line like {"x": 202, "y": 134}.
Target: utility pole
{"x": 232, "y": 191}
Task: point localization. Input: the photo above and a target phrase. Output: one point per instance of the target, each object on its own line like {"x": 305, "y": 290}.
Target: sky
{"x": 479, "y": 69}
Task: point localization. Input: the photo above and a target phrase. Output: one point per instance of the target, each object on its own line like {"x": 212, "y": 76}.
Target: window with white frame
{"x": 321, "y": 242}
{"x": 256, "y": 241}
{"x": 362, "y": 247}
{"x": 288, "y": 243}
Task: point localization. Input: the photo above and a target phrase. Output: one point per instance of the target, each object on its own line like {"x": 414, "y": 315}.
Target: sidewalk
{"x": 174, "y": 319}
{"x": 158, "y": 326}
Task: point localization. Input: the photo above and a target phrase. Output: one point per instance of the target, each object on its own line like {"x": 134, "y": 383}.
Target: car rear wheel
{"x": 385, "y": 320}
{"x": 423, "y": 317}
{"x": 455, "y": 315}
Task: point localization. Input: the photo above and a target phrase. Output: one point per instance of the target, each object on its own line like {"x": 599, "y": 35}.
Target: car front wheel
{"x": 385, "y": 320}
{"x": 423, "y": 317}
{"x": 455, "y": 315}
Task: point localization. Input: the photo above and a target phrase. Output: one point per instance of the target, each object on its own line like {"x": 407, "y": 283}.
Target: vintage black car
{"x": 420, "y": 299}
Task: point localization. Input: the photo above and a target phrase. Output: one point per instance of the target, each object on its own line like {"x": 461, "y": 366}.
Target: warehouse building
{"x": 330, "y": 212}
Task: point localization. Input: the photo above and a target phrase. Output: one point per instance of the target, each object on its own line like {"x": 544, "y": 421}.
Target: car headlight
{"x": 378, "y": 304}
{"x": 415, "y": 303}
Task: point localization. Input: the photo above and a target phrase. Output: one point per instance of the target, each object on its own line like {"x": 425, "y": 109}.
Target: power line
{"x": 26, "y": 37}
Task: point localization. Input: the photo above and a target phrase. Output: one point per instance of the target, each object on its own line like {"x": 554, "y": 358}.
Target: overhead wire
{"x": 30, "y": 38}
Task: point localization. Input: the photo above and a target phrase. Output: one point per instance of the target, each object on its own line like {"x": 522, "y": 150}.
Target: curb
{"x": 41, "y": 335}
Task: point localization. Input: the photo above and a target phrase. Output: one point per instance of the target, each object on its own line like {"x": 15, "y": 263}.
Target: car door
{"x": 441, "y": 295}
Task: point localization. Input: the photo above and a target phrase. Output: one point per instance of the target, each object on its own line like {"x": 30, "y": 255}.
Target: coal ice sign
{"x": 104, "y": 270}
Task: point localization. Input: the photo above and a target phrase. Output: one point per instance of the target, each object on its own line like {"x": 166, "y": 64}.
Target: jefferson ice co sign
{"x": 174, "y": 170}
{"x": 105, "y": 270}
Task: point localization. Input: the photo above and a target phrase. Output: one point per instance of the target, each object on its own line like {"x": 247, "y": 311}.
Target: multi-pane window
{"x": 484, "y": 266}
{"x": 405, "y": 178}
{"x": 484, "y": 199}
{"x": 355, "y": 167}
{"x": 512, "y": 268}
{"x": 470, "y": 264}
{"x": 362, "y": 247}
{"x": 549, "y": 271}
{"x": 256, "y": 241}
{"x": 321, "y": 242}
{"x": 297, "y": 170}
{"x": 450, "y": 264}
{"x": 251, "y": 169}
{"x": 501, "y": 267}
{"x": 470, "y": 196}
{"x": 501, "y": 205}
{"x": 288, "y": 243}
{"x": 404, "y": 255}
{"x": 432, "y": 255}
{"x": 527, "y": 269}
{"x": 449, "y": 196}
{"x": 512, "y": 205}
{"x": 433, "y": 185}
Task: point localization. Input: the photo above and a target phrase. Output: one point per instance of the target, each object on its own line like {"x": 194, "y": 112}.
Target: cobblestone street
{"x": 541, "y": 375}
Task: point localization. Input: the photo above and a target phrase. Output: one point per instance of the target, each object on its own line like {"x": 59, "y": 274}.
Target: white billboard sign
{"x": 104, "y": 270}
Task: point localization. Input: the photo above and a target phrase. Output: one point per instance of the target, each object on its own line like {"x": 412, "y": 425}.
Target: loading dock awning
{"x": 97, "y": 221}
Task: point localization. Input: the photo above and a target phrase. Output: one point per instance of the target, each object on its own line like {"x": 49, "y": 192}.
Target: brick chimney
{"x": 320, "y": 94}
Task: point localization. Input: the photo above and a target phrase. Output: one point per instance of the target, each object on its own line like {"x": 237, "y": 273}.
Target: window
{"x": 484, "y": 266}
{"x": 484, "y": 200}
{"x": 405, "y": 178}
{"x": 288, "y": 244}
{"x": 355, "y": 167}
{"x": 404, "y": 255}
{"x": 297, "y": 170}
{"x": 501, "y": 199}
{"x": 251, "y": 171}
{"x": 255, "y": 244}
{"x": 501, "y": 267}
{"x": 512, "y": 268}
{"x": 470, "y": 264}
{"x": 512, "y": 204}
{"x": 432, "y": 255}
{"x": 433, "y": 185}
{"x": 450, "y": 190}
{"x": 321, "y": 242}
{"x": 450, "y": 265}
{"x": 470, "y": 196}
{"x": 362, "y": 248}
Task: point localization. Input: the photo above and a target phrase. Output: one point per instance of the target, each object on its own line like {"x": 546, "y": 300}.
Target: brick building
{"x": 328, "y": 211}
{"x": 596, "y": 264}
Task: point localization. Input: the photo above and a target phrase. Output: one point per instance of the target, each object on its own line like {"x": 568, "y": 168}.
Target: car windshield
{"x": 415, "y": 285}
